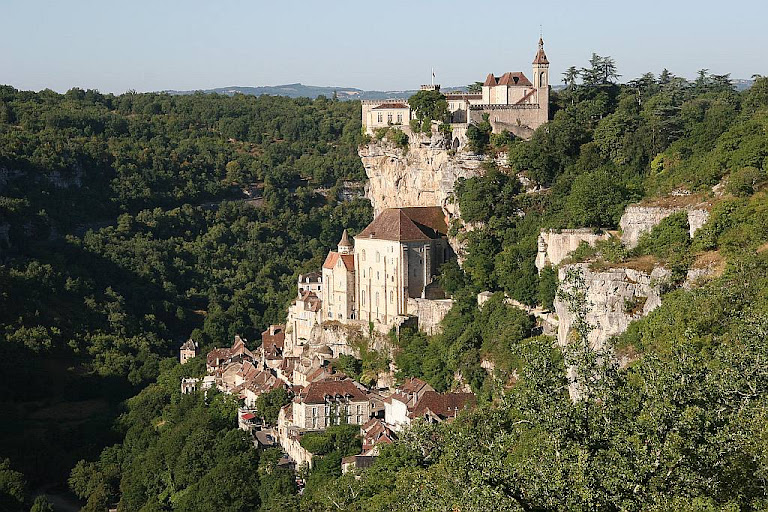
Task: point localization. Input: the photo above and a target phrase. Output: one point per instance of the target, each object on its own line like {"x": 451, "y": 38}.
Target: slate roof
{"x": 420, "y": 223}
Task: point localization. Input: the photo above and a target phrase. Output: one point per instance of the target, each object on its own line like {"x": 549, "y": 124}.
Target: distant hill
{"x": 311, "y": 91}
{"x": 298, "y": 90}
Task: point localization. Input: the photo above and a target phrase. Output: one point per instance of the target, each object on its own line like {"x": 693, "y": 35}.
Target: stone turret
{"x": 345, "y": 246}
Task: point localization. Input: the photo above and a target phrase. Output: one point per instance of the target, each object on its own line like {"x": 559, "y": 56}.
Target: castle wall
{"x": 430, "y": 313}
{"x": 510, "y": 117}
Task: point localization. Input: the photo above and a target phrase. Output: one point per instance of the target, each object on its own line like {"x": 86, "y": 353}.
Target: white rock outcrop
{"x": 616, "y": 297}
{"x": 641, "y": 219}
{"x": 554, "y": 246}
{"x": 422, "y": 176}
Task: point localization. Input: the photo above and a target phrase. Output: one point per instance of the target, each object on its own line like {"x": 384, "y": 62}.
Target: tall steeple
{"x": 540, "y": 67}
{"x": 345, "y": 246}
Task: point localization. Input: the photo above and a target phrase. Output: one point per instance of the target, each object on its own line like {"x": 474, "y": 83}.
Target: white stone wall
{"x": 430, "y": 313}
{"x": 381, "y": 280}
{"x": 339, "y": 293}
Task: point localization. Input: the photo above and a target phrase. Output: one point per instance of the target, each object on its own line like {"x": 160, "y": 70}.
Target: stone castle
{"x": 512, "y": 102}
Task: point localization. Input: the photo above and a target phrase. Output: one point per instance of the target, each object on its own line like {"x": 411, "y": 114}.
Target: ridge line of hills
{"x": 299, "y": 90}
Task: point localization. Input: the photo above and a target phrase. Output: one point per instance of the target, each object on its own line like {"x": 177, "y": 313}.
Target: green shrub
{"x": 547, "y": 287}
{"x": 742, "y": 183}
{"x": 670, "y": 237}
{"x": 398, "y": 137}
{"x": 479, "y": 135}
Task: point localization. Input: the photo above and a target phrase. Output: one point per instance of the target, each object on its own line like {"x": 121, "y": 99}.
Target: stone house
{"x": 357, "y": 462}
{"x": 398, "y": 407}
{"x": 376, "y": 432}
{"x": 304, "y": 314}
{"x": 187, "y": 351}
{"x": 289, "y": 437}
{"x": 272, "y": 345}
{"x": 330, "y": 402}
{"x": 437, "y": 407}
{"x": 339, "y": 278}
{"x": 219, "y": 357}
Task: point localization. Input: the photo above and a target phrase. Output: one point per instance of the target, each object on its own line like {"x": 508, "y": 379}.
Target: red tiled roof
{"x": 444, "y": 405}
{"x": 514, "y": 78}
{"x": 333, "y": 258}
{"x": 386, "y": 106}
{"x": 528, "y": 95}
{"x": 316, "y": 392}
{"x": 277, "y": 339}
{"x": 407, "y": 224}
{"x": 462, "y": 95}
{"x": 414, "y": 385}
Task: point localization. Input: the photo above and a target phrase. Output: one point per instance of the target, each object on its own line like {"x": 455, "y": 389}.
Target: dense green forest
{"x": 102, "y": 278}
{"x": 127, "y": 230}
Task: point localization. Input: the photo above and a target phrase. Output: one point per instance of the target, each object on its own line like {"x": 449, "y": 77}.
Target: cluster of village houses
{"x": 365, "y": 287}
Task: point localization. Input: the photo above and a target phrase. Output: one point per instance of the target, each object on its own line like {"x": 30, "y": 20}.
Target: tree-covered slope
{"x": 128, "y": 230}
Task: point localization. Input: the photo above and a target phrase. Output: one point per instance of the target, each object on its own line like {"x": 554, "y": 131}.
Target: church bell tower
{"x": 541, "y": 67}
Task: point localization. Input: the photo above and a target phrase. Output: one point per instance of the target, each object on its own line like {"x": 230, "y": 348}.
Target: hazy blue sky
{"x": 167, "y": 44}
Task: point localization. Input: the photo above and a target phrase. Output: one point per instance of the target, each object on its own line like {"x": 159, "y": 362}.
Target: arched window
{"x": 362, "y": 297}
{"x": 542, "y": 79}
{"x": 362, "y": 255}
{"x": 391, "y": 297}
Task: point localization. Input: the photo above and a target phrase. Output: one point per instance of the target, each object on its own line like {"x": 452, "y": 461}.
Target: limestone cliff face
{"x": 554, "y": 246}
{"x": 641, "y": 219}
{"x": 422, "y": 176}
{"x": 616, "y": 297}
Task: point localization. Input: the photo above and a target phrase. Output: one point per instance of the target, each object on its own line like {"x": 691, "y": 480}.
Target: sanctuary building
{"x": 512, "y": 101}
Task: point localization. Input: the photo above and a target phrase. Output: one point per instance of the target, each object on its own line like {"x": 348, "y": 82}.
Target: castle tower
{"x": 345, "y": 246}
